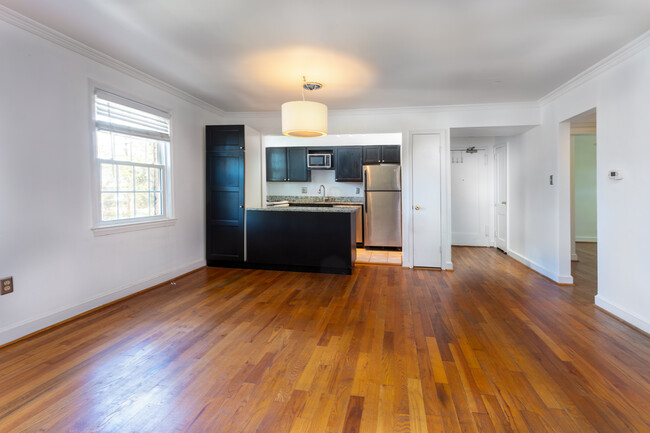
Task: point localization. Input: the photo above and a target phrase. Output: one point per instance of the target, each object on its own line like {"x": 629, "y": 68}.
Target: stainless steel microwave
{"x": 319, "y": 160}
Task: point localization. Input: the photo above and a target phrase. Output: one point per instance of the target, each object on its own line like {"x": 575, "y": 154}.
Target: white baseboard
{"x": 16, "y": 331}
{"x": 620, "y": 312}
{"x": 586, "y": 239}
{"x": 561, "y": 279}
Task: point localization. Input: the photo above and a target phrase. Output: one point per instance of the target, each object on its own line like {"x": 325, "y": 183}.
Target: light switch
{"x": 615, "y": 174}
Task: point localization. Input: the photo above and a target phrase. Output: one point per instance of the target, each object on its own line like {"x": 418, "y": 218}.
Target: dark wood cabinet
{"x": 371, "y": 154}
{"x": 224, "y": 137}
{"x": 276, "y": 164}
{"x": 224, "y": 194}
{"x": 297, "y": 170}
{"x": 389, "y": 154}
{"x": 301, "y": 241}
{"x": 349, "y": 164}
{"x": 287, "y": 164}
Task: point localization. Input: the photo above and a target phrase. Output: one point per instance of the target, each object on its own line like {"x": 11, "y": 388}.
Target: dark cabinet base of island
{"x": 301, "y": 239}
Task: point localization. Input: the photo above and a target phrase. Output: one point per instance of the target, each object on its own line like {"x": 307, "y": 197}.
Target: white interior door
{"x": 427, "y": 233}
{"x": 500, "y": 197}
{"x": 470, "y": 199}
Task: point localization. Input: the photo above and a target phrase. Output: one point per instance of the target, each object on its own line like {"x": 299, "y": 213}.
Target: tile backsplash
{"x": 318, "y": 177}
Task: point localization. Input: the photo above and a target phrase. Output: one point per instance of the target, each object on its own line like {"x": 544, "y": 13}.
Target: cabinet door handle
{"x": 417, "y": 207}
{"x": 241, "y": 207}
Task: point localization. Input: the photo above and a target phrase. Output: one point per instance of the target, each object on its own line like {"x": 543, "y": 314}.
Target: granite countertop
{"x": 314, "y": 199}
{"x": 305, "y": 209}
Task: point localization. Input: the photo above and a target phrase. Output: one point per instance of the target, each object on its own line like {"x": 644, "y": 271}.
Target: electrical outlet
{"x": 6, "y": 285}
{"x": 304, "y": 190}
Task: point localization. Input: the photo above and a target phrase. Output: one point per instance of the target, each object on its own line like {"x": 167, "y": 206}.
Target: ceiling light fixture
{"x": 305, "y": 118}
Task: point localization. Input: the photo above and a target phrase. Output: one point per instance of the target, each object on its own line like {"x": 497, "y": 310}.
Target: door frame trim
{"x": 494, "y": 196}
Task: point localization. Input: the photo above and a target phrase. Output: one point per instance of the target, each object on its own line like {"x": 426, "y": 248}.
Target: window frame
{"x": 99, "y": 227}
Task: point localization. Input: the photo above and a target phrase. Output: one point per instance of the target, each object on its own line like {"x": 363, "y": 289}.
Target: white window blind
{"x": 116, "y": 114}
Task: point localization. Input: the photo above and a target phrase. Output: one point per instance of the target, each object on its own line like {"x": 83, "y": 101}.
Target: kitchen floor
{"x": 379, "y": 257}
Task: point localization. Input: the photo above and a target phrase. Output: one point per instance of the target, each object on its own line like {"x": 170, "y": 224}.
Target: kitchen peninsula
{"x": 311, "y": 239}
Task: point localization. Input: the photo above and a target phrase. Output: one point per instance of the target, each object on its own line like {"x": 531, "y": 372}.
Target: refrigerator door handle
{"x": 365, "y": 193}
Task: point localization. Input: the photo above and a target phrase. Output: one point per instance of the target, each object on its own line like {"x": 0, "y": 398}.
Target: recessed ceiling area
{"x": 584, "y": 123}
{"x": 369, "y": 54}
{"x": 489, "y": 131}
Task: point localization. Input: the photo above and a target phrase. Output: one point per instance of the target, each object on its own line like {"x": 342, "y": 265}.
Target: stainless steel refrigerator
{"x": 382, "y": 185}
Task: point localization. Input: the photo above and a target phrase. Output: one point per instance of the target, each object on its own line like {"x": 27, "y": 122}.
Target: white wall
{"x": 532, "y": 203}
{"x": 540, "y": 226}
{"x": 60, "y": 269}
{"x": 624, "y": 205}
{"x": 584, "y": 169}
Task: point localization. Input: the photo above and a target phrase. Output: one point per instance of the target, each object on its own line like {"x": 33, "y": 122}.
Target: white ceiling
{"x": 251, "y": 55}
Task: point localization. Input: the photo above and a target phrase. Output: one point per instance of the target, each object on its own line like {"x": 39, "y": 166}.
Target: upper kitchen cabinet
{"x": 372, "y": 154}
{"x": 390, "y": 154}
{"x": 287, "y": 164}
{"x": 276, "y": 164}
{"x": 348, "y": 165}
{"x": 224, "y": 137}
{"x": 381, "y": 154}
{"x": 297, "y": 170}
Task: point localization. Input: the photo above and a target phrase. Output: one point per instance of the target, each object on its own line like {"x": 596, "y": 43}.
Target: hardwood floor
{"x": 490, "y": 347}
{"x": 585, "y": 271}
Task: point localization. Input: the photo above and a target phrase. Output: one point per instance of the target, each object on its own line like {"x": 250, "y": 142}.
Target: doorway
{"x": 471, "y": 192}
{"x": 584, "y": 214}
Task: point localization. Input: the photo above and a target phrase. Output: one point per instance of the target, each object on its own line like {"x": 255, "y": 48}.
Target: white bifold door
{"x": 427, "y": 234}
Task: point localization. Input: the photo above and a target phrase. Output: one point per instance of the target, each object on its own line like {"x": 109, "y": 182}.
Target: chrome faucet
{"x": 322, "y": 188}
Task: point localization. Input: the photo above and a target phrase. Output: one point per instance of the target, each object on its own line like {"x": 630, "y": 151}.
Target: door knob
{"x": 417, "y": 207}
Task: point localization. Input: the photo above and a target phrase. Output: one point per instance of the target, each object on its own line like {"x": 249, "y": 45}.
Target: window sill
{"x": 132, "y": 226}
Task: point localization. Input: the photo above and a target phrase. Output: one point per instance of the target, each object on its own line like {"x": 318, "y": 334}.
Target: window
{"x": 131, "y": 160}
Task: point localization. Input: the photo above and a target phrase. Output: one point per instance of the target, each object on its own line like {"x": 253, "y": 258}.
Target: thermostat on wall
{"x": 615, "y": 174}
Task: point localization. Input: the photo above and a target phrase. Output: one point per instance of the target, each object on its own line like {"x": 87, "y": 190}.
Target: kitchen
{"x": 302, "y": 180}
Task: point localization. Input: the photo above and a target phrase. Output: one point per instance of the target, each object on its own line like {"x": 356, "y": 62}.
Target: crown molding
{"x": 616, "y": 58}
{"x": 251, "y": 114}
{"x": 34, "y": 27}
{"x": 432, "y": 109}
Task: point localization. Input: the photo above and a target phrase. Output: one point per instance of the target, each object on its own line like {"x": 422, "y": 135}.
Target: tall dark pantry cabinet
{"x": 227, "y": 152}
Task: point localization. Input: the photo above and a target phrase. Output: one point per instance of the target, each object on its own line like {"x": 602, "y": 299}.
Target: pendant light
{"x": 305, "y": 118}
